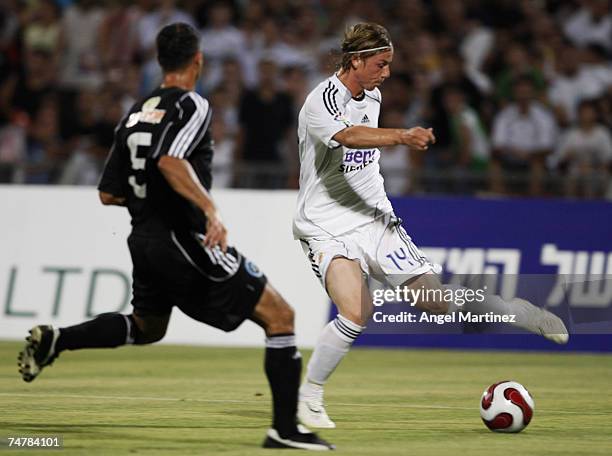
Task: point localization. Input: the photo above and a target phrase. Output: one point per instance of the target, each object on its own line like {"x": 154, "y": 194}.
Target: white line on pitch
{"x": 237, "y": 401}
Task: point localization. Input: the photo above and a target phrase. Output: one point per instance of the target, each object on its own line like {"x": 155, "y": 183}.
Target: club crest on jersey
{"x": 340, "y": 118}
{"x": 147, "y": 114}
{"x": 252, "y": 269}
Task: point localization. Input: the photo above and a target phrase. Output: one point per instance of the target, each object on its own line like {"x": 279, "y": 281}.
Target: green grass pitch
{"x": 171, "y": 400}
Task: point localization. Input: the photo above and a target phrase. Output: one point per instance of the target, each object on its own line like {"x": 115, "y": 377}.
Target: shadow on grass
{"x": 87, "y": 427}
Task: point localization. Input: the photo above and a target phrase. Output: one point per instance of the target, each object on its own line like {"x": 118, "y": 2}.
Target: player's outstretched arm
{"x": 360, "y": 137}
{"x": 182, "y": 178}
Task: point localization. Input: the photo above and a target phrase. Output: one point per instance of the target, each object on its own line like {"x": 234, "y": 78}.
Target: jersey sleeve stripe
{"x": 187, "y": 135}
{"x": 332, "y": 101}
{"x": 185, "y": 131}
{"x": 203, "y": 129}
{"x": 333, "y": 98}
{"x": 328, "y": 107}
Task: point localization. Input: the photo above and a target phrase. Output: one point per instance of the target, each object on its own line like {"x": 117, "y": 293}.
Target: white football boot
{"x": 539, "y": 321}
{"x": 311, "y": 411}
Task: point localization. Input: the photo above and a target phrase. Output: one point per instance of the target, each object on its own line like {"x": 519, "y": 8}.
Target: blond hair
{"x": 364, "y": 40}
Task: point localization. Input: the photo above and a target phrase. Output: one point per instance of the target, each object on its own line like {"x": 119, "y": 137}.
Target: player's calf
{"x": 283, "y": 362}
{"x": 108, "y": 330}
{"x": 273, "y": 313}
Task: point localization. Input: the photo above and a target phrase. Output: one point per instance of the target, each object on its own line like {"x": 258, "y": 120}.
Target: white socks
{"x": 333, "y": 344}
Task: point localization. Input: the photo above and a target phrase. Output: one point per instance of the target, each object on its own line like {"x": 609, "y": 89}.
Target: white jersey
{"x": 340, "y": 188}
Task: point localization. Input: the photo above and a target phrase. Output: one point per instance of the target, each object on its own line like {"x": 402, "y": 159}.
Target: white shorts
{"x": 383, "y": 248}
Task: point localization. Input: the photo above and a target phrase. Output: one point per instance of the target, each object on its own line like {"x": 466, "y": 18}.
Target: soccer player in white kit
{"x": 345, "y": 222}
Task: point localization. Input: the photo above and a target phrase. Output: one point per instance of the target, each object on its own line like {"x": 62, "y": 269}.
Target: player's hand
{"x": 418, "y": 138}
{"x": 216, "y": 233}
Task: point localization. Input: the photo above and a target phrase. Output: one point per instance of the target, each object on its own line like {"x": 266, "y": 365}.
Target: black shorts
{"x": 216, "y": 288}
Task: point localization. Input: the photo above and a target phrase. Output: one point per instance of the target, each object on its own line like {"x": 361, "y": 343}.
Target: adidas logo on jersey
{"x": 365, "y": 119}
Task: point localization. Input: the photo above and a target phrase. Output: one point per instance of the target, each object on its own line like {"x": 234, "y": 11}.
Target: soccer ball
{"x": 506, "y": 407}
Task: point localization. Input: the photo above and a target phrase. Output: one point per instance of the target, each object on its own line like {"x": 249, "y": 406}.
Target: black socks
{"x": 107, "y": 330}
{"x": 283, "y": 365}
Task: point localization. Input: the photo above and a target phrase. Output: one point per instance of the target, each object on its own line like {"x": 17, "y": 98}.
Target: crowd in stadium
{"x": 518, "y": 92}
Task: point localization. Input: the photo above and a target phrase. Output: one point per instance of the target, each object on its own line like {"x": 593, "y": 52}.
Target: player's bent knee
{"x": 149, "y": 337}
{"x": 283, "y": 318}
{"x": 147, "y": 331}
{"x": 273, "y": 313}
{"x": 359, "y": 318}
{"x": 283, "y": 321}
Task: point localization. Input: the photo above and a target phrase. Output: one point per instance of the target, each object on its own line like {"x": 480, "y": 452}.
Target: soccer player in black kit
{"x": 159, "y": 167}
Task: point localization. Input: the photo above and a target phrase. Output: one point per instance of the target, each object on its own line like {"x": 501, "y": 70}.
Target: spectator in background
{"x": 565, "y": 87}
{"x": 230, "y": 78}
{"x": 44, "y": 152}
{"x": 479, "y": 45}
{"x": 26, "y": 93}
{"x": 604, "y": 105}
{"x": 524, "y": 133}
{"x": 452, "y": 74}
{"x": 265, "y": 115}
{"x": 43, "y": 32}
{"x": 81, "y": 59}
{"x": 586, "y": 151}
{"x": 87, "y": 109}
{"x": 399, "y": 166}
{"x": 419, "y": 89}
{"x": 274, "y": 41}
{"x": 580, "y": 74}
{"x": 86, "y": 160}
{"x": 469, "y": 145}
{"x": 156, "y": 14}
{"x": 9, "y": 28}
{"x": 226, "y": 107}
{"x": 590, "y": 24}
{"x": 295, "y": 82}
{"x": 473, "y": 40}
{"x": 220, "y": 38}
{"x": 223, "y": 159}
{"x": 517, "y": 63}
{"x": 12, "y": 150}
{"x": 118, "y": 35}
{"x": 221, "y": 42}
{"x": 124, "y": 83}
{"x": 597, "y": 68}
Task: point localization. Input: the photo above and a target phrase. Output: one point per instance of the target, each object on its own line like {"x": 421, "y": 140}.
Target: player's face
{"x": 371, "y": 72}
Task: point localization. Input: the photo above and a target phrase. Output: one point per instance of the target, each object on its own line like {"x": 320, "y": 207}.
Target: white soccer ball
{"x": 506, "y": 407}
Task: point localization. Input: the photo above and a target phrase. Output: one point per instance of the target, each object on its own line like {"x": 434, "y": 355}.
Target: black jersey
{"x": 170, "y": 121}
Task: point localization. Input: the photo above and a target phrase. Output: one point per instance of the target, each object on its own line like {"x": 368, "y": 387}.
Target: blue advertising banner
{"x": 557, "y": 254}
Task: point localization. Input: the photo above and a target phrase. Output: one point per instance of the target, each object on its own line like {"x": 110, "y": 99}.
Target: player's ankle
{"x": 285, "y": 431}
{"x": 309, "y": 387}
